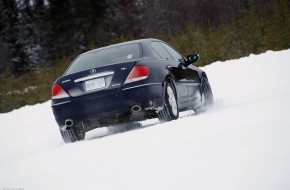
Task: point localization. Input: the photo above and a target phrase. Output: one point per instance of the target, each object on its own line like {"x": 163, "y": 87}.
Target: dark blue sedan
{"x": 125, "y": 83}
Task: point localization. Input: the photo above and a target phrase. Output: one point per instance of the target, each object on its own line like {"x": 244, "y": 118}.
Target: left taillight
{"x": 58, "y": 92}
{"x": 138, "y": 73}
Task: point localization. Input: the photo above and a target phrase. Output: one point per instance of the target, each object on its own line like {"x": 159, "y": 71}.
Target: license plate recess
{"x": 95, "y": 84}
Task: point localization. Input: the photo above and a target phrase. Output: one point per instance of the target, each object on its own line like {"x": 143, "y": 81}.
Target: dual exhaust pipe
{"x": 67, "y": 125}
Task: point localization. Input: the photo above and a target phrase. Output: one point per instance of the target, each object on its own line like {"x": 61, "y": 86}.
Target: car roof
{"x": 142, "y": 41}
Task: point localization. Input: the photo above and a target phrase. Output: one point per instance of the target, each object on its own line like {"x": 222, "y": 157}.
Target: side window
{"x": 174, "y": 53}
{"x": 155, "y": 53}
{"x": 159, "y": 51}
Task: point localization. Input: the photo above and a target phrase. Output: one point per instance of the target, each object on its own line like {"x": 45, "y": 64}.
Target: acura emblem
{"x": 93, "y": 71}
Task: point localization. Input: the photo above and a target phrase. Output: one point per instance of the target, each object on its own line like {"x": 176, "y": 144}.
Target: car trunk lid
{"x": 96, "y": 80}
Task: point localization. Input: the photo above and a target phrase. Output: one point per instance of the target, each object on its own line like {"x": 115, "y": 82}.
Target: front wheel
{"x": 170, "y": 110}
{"x": 72, "y": 135}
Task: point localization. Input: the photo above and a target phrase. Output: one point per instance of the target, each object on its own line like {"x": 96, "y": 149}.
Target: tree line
{"x": 38, "y": 32}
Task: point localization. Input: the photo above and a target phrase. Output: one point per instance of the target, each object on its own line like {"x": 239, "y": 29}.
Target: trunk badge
{"x": 68, "y": 80}
{"x": 93, "y": 71}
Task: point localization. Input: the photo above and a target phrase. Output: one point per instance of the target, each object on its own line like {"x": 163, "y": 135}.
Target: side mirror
{"x": 192, "y": 58}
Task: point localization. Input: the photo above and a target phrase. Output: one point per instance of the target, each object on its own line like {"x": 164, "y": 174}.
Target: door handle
{"x": 169, "y": 67}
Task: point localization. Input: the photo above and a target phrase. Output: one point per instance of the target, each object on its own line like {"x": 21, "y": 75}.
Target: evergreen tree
{"x": 10, "y": 29}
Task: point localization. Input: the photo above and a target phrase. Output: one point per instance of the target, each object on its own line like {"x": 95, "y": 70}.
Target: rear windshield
{"x": 103, "y": 57}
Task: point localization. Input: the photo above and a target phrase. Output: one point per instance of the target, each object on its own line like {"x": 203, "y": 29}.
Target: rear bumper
{"x": 108, "y": 104}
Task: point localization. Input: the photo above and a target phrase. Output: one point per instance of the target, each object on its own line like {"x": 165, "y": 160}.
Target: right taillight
{"x": 58, "y": 92}
{"x": 138, "y": 73}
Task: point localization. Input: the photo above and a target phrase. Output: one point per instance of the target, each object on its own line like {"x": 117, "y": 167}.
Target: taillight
{"x": 138, "y": 73}
{"x": 58, "y": 92}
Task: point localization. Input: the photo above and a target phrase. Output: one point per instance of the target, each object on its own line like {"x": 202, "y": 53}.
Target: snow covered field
{"x": 241, "y": 143}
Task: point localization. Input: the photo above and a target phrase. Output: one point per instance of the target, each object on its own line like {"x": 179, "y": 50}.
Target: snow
{"x": 241, "y": 142}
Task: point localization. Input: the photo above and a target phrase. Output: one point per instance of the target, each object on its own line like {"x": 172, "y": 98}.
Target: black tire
{"x": 72, "y": 135}
{"x": 170, "y": 110}
{"x": 206, "y": 94}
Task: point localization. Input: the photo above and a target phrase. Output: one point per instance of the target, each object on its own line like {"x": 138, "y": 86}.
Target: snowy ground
{"x": 241, "y": 143}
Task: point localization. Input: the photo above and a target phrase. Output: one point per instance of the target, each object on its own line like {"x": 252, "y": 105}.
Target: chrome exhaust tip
{"x": 136, "y": 108}
{"x": 69, "y": 122}
{"x": 67, "y": 125}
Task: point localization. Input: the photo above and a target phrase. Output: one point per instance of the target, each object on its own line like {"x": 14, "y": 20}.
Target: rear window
{"x": 107, "y": 56}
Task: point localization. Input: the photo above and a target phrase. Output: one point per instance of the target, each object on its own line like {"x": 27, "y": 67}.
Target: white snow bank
{"x": 242, "y": 142}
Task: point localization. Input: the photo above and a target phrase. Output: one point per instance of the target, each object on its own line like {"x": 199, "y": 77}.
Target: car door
{"x": 177, "y": 73}
{"x": 189, "y": 75}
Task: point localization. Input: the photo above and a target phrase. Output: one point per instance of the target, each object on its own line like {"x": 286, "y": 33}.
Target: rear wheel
{"x": 170, "y": 110}
{"x": 207, "y": 96}
{"x": 72, "y": 135}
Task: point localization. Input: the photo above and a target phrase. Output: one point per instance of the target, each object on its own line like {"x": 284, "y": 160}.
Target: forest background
{"x": 39, "y": 38}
